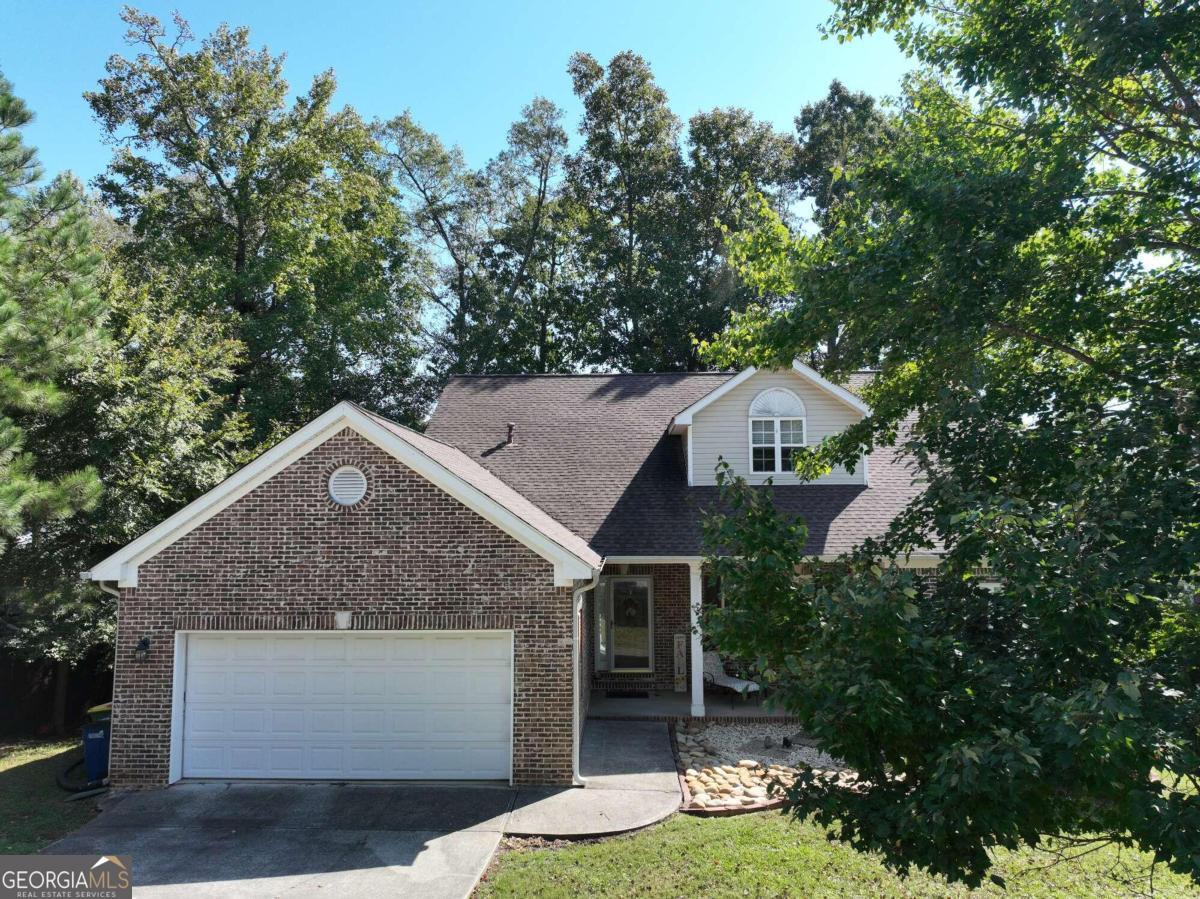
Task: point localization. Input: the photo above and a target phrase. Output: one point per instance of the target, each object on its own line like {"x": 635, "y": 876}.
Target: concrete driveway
{"x": 419, "y": 841}
{"x": 301, "y": 840}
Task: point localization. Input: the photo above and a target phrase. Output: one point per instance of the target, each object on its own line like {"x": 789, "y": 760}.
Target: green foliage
{"x": 500, "y": 275}
{"x": 654, "y": 214}
{"x": 1021, "y": 264}
{"x": 149, "y": 415}
{"x": 266, "y": 218}
{"x": 51, "y": 320}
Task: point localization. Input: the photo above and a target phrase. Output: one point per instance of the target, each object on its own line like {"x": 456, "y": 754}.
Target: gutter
{"x": 576, "y": 654}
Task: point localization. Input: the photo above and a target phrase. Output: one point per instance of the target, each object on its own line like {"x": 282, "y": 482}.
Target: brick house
{"x": 364, "y": 601}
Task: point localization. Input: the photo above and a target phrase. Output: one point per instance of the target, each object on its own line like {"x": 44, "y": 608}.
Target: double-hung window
{"x": 777, "y": 430}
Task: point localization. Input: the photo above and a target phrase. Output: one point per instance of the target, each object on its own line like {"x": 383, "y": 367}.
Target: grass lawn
{"x": 766, "y": 854}
{"x": 32, "y": 810}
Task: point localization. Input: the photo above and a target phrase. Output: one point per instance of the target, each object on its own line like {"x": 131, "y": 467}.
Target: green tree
{"x": 51, "y": 322}
{"x": 1021, "y": 262}
{"x": 51, "y": 328}
{"x": 496, "y": 256}
{"x": 656, "y": 206}
{"x": 148, "y": 414}
{"x": 270, "y": 217}
{"x": 833, "y": 135}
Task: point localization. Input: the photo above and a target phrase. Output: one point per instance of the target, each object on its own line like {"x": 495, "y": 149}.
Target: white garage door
{"x": 396, "y": 706}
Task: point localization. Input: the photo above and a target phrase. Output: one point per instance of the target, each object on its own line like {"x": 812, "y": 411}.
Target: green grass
{"x": 32, "y": 810}
{"x": 766, "y": 854}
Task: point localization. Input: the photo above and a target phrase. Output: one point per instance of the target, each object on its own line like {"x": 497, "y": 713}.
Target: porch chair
{"x": 714, "y": 673}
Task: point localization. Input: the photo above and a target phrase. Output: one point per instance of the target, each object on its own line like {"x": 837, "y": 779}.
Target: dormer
{"x": 757, "y": 419}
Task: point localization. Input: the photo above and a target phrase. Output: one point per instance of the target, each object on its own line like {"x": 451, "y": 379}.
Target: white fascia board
{"x": 829, "y": 387}
{"x": 122, "y": 565}
{"x": 685, "y": 417}
{"x": 653, "y": 560}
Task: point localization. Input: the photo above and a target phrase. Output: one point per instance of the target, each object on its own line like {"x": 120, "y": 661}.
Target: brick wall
{"x": 408, "y": 556}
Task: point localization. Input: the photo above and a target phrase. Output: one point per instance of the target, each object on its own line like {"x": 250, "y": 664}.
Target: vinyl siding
{"x": 722, "y": 430}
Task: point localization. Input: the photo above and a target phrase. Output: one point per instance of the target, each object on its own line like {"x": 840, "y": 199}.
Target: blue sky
{"x": 465, "y": 69}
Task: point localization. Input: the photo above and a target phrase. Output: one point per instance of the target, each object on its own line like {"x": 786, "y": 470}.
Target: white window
{"x": 777, "y": 429}
{"x": 625, "y": 624}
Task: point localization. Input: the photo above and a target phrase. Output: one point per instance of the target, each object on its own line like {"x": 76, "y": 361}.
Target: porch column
{"x": 696, "y": 599}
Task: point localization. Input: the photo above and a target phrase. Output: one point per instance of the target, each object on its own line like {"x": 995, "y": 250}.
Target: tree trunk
{"x": 62, "y": 674}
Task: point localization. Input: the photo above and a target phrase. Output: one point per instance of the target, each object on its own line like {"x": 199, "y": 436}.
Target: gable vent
{"x": 347, "y": 485}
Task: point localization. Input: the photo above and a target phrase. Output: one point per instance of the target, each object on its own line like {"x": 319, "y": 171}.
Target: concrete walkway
{"x": 424, "y": 841}
{"x": 631, "y": 783}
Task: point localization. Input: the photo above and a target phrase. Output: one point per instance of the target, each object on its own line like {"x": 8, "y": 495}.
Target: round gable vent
{"x": 347, "y": 485}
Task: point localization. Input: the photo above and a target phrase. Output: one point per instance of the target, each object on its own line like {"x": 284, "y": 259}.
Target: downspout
{"x": 576, "y": 656}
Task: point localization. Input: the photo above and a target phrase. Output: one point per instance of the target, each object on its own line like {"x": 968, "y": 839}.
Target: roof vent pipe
{"x": 512, "y": 430}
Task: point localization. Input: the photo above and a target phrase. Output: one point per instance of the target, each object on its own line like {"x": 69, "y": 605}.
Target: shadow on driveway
{"x": 253, "y": 839}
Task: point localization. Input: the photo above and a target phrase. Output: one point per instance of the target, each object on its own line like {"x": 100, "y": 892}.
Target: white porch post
{"x": 696, "y": 599}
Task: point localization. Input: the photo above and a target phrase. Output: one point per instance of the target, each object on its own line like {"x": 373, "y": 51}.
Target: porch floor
{"x": 668, "y": 704}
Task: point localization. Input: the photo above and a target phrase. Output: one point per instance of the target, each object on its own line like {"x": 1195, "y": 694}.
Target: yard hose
{"x": 65, "y": 782}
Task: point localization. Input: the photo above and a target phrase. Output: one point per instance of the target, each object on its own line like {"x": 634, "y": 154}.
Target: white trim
{"x": 912, "y": 560}
{"x": 684, "y": 418}
{"x": 778, "y": 444}
{"x": 652, "y": 560}
{"x": 695, "y": 604}
{"x": 690, "y": 466}
{"x": 178, "y": 681}
{"x": 122, "y": 566}
{"x": 840, "y": 392}
{"x": 178, "y": 703}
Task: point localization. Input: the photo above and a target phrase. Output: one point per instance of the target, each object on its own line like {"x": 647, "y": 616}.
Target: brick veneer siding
{"x": 671, "y": 590}
{"x": 408, "y": 556}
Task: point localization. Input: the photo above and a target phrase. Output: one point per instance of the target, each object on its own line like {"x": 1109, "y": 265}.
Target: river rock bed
{"x": 735, "y": 766}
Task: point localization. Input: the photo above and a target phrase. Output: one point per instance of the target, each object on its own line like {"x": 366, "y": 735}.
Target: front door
{"x": 625, "y": 625}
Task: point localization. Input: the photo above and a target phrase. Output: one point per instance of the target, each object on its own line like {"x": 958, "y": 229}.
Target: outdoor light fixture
{"x": 142, "y": 649}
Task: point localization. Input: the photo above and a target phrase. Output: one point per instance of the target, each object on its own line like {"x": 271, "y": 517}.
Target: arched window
{"x": 777, "y": 428}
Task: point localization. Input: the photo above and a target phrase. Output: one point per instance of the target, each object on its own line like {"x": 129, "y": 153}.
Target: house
{"x": 364, "y": 601}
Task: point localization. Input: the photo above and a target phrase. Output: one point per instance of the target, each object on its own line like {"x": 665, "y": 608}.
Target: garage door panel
{"x": 248, "y": 722}
{"x": 251, "y": 649}
{"x": 287, "y": 722}
{"x": 369, "y": 683}
{"x": 328, "y": 683}
{"x": 368, "y": 649}
{"x": 348, "y": 706}
{"x": 289, "y": 683}
{"x": 327, "y": 649}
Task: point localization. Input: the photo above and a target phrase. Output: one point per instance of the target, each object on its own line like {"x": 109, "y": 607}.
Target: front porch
{"x": 643, "y": 650}
{"x": 671, "y": 706}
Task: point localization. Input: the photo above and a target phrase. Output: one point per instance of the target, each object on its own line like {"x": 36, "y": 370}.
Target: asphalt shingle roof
{"x": 593, "y": 452}
{"x": 478, "y": 476}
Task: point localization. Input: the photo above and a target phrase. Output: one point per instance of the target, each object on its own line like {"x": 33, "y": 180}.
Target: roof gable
{"x": 684, "y": 418}
{"x": 443, "y": 465}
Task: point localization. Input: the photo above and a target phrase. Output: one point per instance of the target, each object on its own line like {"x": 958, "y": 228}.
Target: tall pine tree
{"x": 51, "y": 320}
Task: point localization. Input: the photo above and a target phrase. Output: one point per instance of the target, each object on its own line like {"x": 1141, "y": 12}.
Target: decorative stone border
{"x": 719, "y": 811}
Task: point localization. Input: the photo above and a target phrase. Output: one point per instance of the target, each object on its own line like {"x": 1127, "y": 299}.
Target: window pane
{"x": 762, "y": 433}
{"x": 786, "y": 453}
{"x": 791, "y": 430}
{"x": 764, "y": 458}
